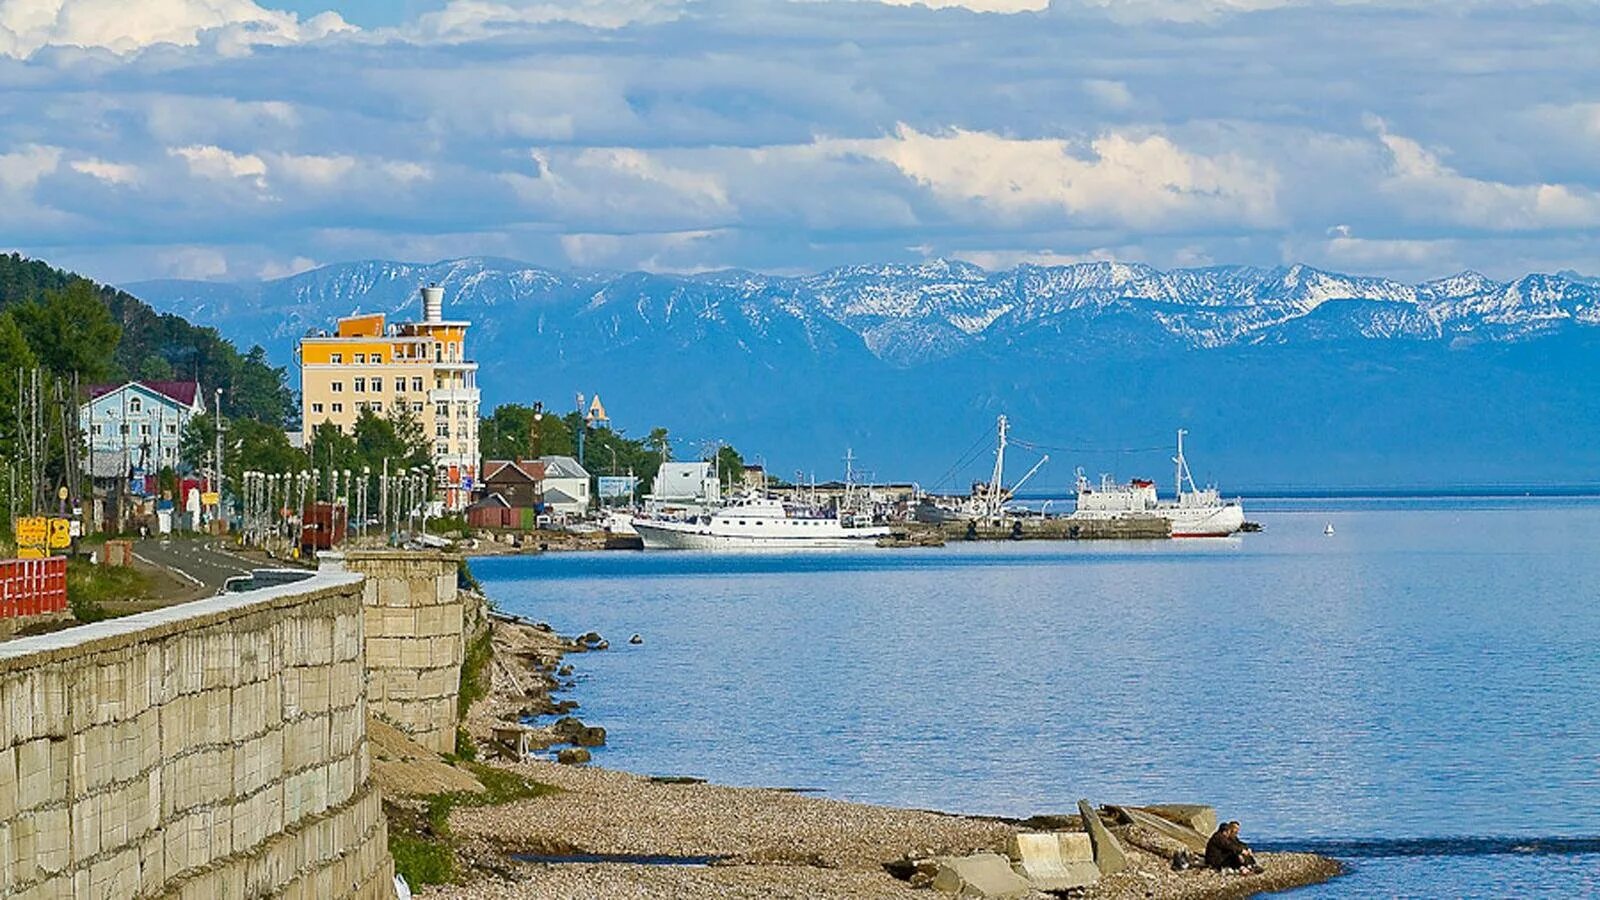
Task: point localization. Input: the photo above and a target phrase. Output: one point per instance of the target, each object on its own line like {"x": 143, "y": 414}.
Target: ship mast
{"x": 996, "y": 482}
{"x": 1181, "y": 466}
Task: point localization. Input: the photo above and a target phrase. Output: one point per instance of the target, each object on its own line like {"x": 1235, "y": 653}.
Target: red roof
{"x": 181, "y": 392}
{"x": 499, "y": 470}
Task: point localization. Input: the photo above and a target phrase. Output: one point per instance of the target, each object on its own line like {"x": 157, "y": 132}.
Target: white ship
{"x": 1196, "y": 512}
{"x": 758, "y": 523}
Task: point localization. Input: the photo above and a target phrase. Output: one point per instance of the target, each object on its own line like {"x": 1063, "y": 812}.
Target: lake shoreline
{"x": 762, "y": 842}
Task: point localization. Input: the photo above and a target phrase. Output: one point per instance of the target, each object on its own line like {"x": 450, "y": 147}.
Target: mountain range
{"x": 1288, "y": 376}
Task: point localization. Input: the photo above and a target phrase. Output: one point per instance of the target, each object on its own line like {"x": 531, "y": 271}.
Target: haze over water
{"x": 1426, "y": 673}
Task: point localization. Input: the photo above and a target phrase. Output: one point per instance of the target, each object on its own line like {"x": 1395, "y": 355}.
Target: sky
{"x": 230, "y": 139}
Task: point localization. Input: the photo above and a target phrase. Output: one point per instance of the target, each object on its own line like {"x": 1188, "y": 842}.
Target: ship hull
{"x": 1186, "y": 521}
{"x": 688, "y": 536}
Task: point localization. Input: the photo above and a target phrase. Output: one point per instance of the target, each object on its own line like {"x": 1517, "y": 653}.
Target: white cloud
{"x": 193, "y": 262}
{"x": 207, "y": 161}
{"x": 1109, "y": 94}
{"x": 313, "y": 169}
{"x": 1428, "y": 189}
{"x": 463, "y": 20}
{"x": 124, "y": 26}
{"x": 283, "y": 269}
{"x": 989, "y": 6}
{"x": 1143, "y": 181}
{"x": 995, "y": 260}
{"x": 108, "y": 172}
{"x": 21, "y": 169}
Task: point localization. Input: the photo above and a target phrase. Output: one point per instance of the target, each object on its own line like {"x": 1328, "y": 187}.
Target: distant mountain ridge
{"x": 903, "y": 359}
{"x": 917, "y": 313}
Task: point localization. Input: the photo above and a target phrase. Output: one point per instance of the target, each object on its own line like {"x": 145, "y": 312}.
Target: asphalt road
{"x": 198, "y": 561}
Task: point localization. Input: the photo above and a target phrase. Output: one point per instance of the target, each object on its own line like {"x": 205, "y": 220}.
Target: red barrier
{"x": 33, "y": 587}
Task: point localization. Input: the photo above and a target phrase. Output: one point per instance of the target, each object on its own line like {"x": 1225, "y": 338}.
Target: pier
{"x": 1131, "y": 528}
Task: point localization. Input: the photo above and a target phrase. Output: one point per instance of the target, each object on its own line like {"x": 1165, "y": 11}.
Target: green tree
{"x": 730, "y": 464}
{"x": 71, "y": 331}
{"x": 397, "y": 438}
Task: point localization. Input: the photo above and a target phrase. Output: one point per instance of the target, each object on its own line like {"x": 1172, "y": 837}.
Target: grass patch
{"x": 475, "y": 673}
{"x": 420, "y": 860}
{"x": 419, "y": 837}
{"x": 89, "y": 585}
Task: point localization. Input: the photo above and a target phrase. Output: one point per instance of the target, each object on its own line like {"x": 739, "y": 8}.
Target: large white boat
{"x": 1196, "y": 512}
{"x": 757, "y": 523}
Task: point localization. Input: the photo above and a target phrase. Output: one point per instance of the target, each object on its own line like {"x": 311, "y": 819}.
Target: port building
{"x": 421, "y": 368}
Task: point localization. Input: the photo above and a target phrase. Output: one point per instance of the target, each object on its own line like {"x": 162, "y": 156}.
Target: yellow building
{"x": 417, "y": 366}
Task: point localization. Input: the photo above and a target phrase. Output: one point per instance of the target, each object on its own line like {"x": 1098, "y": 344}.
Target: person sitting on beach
{"x": 1226, "y": 851}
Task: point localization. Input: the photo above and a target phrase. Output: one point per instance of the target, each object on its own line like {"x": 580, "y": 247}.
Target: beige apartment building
{"x": 417, "y": 366}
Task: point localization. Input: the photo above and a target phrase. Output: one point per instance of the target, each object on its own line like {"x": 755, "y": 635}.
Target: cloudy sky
{"x": 231, "y": 139}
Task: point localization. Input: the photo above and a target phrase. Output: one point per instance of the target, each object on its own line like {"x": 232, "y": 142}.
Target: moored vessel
{"x": 758, "y": 523}
{"x": 1194, "y": 512}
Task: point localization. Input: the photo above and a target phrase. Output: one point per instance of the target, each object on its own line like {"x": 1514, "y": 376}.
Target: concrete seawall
{"x": 212, "y": 750}
{"x": 414, "y": 644}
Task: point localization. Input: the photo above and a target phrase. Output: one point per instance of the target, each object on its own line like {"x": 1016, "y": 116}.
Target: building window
{"x": 338, "y": 407}
{"x": 167, "y": 452}
{"x": 172, "y": 428}
{"x": 438, "y": 353}
{"x": 316, "y": 407}
{"x": 442, "y": 430}
{"x": 136, "y": 405}
{"x": 416, "y": 408}
{"x": 416, "y": 385}
{"x": 377, "y": 359}
{"x": 441, "y": 449}
{"x": 336, "y": 358}
{"x": 361, "y": 359}
{"x": 377, "y": 385}
{"x": 124, "y": 428}
{"x": 144, "y": 430}
{"x": 377, "y": 407}
{"x": 361, "y": 385}
{"x": 338, "y": 387}
{"x": 442, "y": 410}
{"x": 95, "y": 429}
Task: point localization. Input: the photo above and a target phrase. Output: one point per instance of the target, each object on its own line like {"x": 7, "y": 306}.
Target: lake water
{"x": 1416, "y": 694}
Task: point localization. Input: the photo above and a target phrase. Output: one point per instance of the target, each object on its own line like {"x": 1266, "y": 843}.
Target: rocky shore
{"x": 745, "y": 843}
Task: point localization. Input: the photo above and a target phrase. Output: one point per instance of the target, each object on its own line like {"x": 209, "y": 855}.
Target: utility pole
{"x": 217, "y": 485}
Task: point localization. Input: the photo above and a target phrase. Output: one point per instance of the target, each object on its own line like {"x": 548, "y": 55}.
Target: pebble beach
{"x": 747, "y": 842}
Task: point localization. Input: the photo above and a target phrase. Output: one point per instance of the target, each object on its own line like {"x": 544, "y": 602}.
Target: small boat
{"x": 1328, "y": 529}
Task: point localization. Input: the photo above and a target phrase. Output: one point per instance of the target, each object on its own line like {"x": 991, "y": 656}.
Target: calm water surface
{"x": 1426, "y": 673}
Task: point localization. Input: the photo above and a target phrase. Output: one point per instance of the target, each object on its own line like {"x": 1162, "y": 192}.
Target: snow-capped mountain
{"x": 904, "y": 360}
{"x": 905, "y": 314}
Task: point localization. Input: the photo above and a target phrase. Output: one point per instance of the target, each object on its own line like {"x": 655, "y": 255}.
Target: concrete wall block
{"x": 53, "y": 840}
{"x": 85, "y": 828}
{"x": 345, "y": 683}
{"x": 305, "y": 742}
{"x": 23, "y": 848}
{"x": 220, "y": 657}
{"x": 347, "y": 634}
{"x": 8, "y": 786}
{"x": 35, "y": 786}
{"x": 152, "y": 865}
{"x": 341, "y": 781}
{"x": 248, "y": 709}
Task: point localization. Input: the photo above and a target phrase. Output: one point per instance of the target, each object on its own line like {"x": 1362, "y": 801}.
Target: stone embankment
{"x": 215, "y": 749}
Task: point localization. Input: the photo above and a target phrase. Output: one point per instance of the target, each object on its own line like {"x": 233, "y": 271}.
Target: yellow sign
{"x": 210, "y": 498}
{"x": 33, "y": 531}
{"x": 60, "y": 533}
{"x": 31, "y": 553}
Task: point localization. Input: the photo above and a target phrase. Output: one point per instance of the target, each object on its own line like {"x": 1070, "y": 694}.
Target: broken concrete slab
{"x": 1039, "y": 858}
{"x": 1108, "y": 852}
{"x": 981, "y": 875}
{"x": 1075, "y": 846}
{"x": 1188, "y": 837}
{"x": 1198, "y": 816}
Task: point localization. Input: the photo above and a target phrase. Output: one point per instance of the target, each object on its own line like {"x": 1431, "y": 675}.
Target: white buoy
{"x": 1328, "y": 529}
